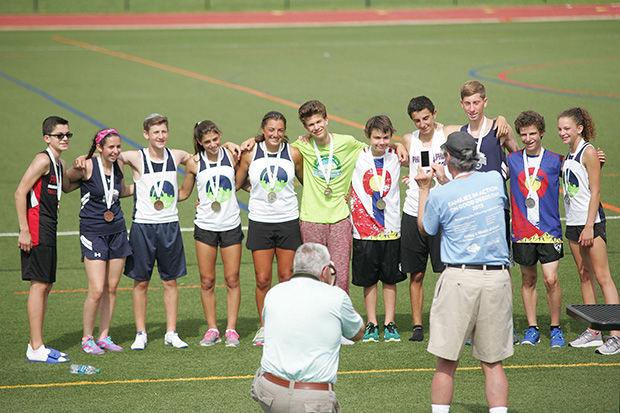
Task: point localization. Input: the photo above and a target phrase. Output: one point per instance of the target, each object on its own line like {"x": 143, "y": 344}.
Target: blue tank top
{"x": 94, "y": 206}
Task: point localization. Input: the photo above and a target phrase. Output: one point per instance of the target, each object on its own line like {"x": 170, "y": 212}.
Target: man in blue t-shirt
{"x": 473, "y": 296}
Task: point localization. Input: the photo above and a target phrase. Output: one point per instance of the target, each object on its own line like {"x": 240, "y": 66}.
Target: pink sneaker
{"x": 211, "y": 337}
{"x": 89, "y": 346}
{"x": 232, "y": 338}
{"x": 108, "y": 344}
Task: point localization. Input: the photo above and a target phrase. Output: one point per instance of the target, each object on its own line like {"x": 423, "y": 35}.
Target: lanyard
{"x": 381, "y": 183}
{"x": 214, "y": 179}
{"x": 529, "y": 180}
{"x": 57, "y": 173}
{"x": 272, "y": 174}
{"x": 325, "y": 171}
{"x": 480, "y": 134}
{"x": 159, "y": 182}
{"x": 108, "y": 190}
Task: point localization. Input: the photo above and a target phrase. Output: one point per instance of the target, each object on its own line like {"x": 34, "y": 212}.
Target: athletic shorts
{"x": 375, "y": 261}
{"x": 472, "y": 303}
{"x": 156, "y": 242}
{"x": 39, "y": 264}
{"x": 105, "y": 247}
{"x": 222, "y": 238}
{"x": 266, "y": 236}
{"x": 574, "y": 231}
{"x": 415, "y": 248}
{"x": 529, "y": 253}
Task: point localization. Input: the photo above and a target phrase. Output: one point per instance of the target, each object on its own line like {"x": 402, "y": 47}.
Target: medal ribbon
{"x": 480, "y": 134}
{"x": 325, "y": 171}
{"x": 532, "y": 213}
{"x": 215, "y": 181}
{"x": 57, "y": 173}
{"x": 374, "y": 171}
{"x": 272, "y": 175}
{"x": 570, "y": 156}
{"x": 108, "y": 190}
{"x": 159, "y": 184}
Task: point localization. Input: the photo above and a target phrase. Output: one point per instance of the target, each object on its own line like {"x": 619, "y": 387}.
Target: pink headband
{"x": 101, "y": 135}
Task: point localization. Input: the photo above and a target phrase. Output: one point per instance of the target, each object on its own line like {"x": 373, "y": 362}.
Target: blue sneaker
{"x": 557, "y": 338}
{"x": 391, "y": 332}
{"x": 531, "y": 336}
{"x": 371, "y": 334}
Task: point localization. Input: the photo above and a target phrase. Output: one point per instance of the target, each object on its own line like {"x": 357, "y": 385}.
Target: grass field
{"x": 358, "y": 72}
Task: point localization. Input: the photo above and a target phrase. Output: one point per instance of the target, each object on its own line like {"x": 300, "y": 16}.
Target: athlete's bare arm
{"x": 37, "y": 168}
{"x": 191, "y": 170}
{"x": 241, "y": 175}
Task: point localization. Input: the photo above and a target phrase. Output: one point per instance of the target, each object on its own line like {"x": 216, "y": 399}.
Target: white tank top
{"x": 209, "y": 180}
{"x": 156, "y": 184}
{"x": 577, "y": 192}
{"x": 410, "y": 206}
{"x": 284, "y": 206}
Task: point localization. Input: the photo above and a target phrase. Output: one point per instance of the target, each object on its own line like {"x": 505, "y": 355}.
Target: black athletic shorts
{"x": 529, "y": 253}
{"x": 222, "y": 238}
{"x": 39, "y": 264}
{"x": 573, "y": 231}
{"x": 415, "y": 248}
{"x": 375, "y": 261}
{"x": 266, "y": 236}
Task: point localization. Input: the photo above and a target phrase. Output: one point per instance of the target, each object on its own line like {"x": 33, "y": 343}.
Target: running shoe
{"x": 371, "y": 334}
{"x": 610, "y": 347}
{"x": 89, "y": 346}
{"x": 259, "y": 337}
{"x": 140, "y": 342}
{"x": 345, "y": 341}
{"x": 211, "y": 337}
{"x": 108, "y": 344}
{"x": 588, "y": 339}
{"x": 531, "y": 336}
{"x": 418, "y": 334}
{"x": 391, "y": 332}
{"x": 232, "y": 338}
{"x": 557, "y": 337}
{"x": 172, "y": 339}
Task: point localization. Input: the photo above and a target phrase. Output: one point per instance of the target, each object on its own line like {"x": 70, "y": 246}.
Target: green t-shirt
{"x": 315, "y": 206}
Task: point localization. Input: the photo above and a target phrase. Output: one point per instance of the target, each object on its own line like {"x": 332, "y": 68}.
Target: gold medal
{"x": 108, "y": 216}
{"x": 216, "y": 206}
{"x": 271, "y": 196}
{"x": 328, "y": 192}
{"x": 159, "y": 205}
{"x": 381, "y": 204}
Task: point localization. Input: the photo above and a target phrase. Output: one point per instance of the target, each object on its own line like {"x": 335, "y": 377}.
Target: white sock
{"x": 500, "y": 409}
{"x": 440, "y": 408}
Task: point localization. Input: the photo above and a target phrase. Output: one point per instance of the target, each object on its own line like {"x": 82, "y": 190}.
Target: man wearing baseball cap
{"x": 473, "y": 296}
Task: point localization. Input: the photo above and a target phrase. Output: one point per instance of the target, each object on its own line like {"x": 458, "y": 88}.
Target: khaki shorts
{"x": 476, "y": 304}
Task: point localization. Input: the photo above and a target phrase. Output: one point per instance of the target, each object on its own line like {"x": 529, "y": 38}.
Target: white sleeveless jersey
{"x": 436, "y": 156}
{"x": 156, "y": 185}
{"x": 285, "y": 206}
{"x": 577, "y": 188}
{"x": 369, "y": 221}
{"x": 209, "y": 178}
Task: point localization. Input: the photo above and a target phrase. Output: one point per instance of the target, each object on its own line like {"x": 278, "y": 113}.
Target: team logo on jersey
{"x": 372, "y": 182}
{"x": 538, "y": 183}
{"x": 281, "y": 179}
{"x": 572, "y": 186}
{"x": 224, "y": 192}
{"x": 167, "y": 194}
{"x": 336, "y": 170}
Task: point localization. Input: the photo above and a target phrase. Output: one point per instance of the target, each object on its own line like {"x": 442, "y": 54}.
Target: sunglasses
{"x": 331, "y": 279}
{"x": 61, "y": 136}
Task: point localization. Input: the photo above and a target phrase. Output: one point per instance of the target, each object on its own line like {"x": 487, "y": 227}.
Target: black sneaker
{"x": 418, "y": 334}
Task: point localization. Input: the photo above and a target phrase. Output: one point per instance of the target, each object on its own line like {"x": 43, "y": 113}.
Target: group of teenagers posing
{"x": 350, "y": 203}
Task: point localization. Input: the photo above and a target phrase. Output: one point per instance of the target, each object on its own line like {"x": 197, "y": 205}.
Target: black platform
{"x": 596, "y": 316}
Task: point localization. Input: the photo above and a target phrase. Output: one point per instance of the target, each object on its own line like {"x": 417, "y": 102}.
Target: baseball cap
{"x": 459, "y": 141}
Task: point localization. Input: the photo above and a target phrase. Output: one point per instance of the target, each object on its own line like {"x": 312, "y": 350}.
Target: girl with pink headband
{"x": 103, "y": 235}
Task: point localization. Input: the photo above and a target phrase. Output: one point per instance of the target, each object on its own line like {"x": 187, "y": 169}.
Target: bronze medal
{"x": 271, "y": 196}
{"x": 216, "y": 206}
{"x": 530, "y": 203}
{"x": 108, "y": 216}
{"x": 328, "y": 192}
{"x": 381, "y": 204}
{"x": 159, "y": 205}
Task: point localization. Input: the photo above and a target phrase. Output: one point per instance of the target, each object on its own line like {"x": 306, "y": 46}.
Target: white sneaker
{"x": 172, "y": 339}
{"x": 345, "y": 341}
{"x": 610, "y": 347}
{"x": 140, "y": 342}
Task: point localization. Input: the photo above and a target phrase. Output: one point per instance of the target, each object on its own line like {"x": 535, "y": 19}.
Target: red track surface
{"x": 310, "y": 18}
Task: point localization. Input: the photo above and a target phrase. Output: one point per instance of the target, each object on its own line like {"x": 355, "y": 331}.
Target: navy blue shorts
{"x": 161, "y": 242}
{"x": 266, "y": 236}
{"x": 375, "y": 261}
{"x": 39, "y": 264}
{"x": 105, "y": 247}
{"x": 222, "y": 238}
